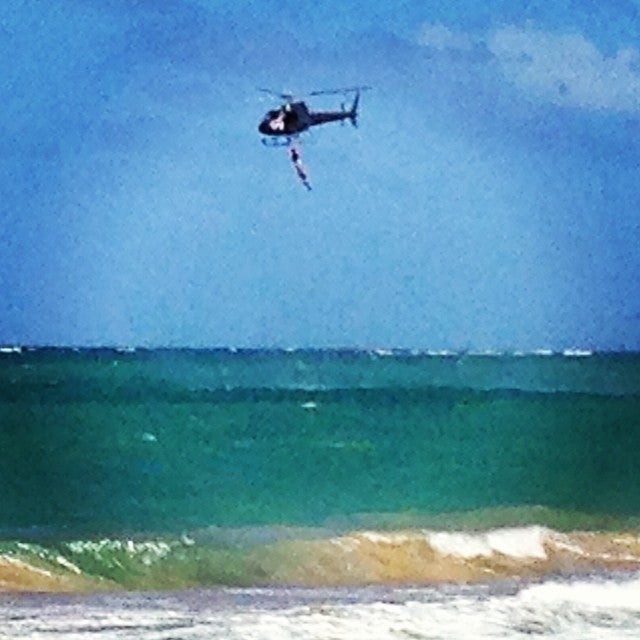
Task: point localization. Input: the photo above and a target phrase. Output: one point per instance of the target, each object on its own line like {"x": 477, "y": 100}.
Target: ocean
{"x": 182, "y": 493}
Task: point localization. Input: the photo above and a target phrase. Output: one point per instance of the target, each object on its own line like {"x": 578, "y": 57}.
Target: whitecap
{"x": 11, "y": 349}
{"x": 517, "y": 542}
{"x": 577, "y": 353}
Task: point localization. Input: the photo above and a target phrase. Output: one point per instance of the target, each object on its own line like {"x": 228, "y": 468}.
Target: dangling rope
{"x": 296, "y": 160}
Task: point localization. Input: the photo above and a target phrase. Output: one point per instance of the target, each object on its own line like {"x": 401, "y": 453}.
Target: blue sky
{"x": 489, "y": 199}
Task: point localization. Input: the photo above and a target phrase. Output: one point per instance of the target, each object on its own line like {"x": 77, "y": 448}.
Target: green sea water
{"x": 260, "y": 445}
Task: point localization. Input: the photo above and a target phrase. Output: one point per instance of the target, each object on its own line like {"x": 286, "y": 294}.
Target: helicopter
{"x": 285, "y": 124}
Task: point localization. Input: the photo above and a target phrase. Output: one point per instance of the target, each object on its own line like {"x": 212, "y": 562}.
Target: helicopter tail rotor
{"x": 353, "y": 113}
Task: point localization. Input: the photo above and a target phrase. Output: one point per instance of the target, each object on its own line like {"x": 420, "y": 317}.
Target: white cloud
{"x": 568, "y": 70}
{"x": 439, "y": 37}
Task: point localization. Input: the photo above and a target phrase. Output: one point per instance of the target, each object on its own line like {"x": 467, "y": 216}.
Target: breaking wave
{"x": 307, "y": 558}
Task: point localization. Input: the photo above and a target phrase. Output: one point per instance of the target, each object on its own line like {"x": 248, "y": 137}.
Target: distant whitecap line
{"x": 383, "y": 352}
{"x": 125, "y": 349}
{"x": 577, "y": 353}
{"x": 11, "y": 349}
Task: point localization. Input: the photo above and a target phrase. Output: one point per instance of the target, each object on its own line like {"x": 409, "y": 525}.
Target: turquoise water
{"x": 234, "y": 449}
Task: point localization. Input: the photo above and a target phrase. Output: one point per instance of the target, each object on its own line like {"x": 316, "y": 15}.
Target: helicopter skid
{"x": 277, "y": 142}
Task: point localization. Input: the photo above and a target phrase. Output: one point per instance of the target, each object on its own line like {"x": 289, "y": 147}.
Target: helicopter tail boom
{"x": 320, "y": 117}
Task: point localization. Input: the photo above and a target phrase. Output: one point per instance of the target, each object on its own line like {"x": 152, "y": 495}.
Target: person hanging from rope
{"x": 294, "y": 154}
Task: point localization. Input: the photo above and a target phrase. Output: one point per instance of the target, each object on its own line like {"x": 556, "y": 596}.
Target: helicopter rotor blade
{"x": 283, "y": 96}
{"x": 343, "y": 90}
{"x": 288, "y": 96}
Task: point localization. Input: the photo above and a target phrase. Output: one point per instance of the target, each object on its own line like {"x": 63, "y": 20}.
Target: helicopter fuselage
{"x": 294, "y": 117}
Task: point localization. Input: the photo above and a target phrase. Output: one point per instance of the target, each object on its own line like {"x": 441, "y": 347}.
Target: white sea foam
{"x": 579, "y": 609}
{"x": 525, "y": 542}
{"x": 147, "y": 551}
{"x": 347, "y": 544}
{"x": 571, "y": 610}
{"x": 16, "y": 562}
{"x": 63, "y": 562}
{"x": 606, "y": 595}
{"x": 378, "y": 537}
